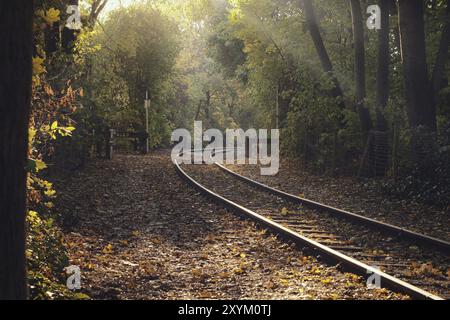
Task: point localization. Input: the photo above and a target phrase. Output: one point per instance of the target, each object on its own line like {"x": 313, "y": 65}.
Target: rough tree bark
{"x": 382, "y": 95}
{"x": 16, "y": 20}
{"x": 360, "y": 67}
{"x": 327, "y": 66}
{"x": 412, "y": 36}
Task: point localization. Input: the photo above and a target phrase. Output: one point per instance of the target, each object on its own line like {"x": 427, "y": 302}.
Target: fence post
{"x": 305, "y": 151}
{"x": 335, "y": 147}
{"x": 394, "y": 151}
{"x": 144, "y": 142}
{"x": 109, "y": 143}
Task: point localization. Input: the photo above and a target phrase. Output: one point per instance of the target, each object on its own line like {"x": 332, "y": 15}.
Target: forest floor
{"x": 137, "y": 231}
{"x": 357, "y": 196}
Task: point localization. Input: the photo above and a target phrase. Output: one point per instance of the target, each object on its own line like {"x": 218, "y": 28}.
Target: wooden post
{"x": 144, "y": 140}
{"x": 277, "y": 108}
{"x": 335, "y": 142}
{"x": 247, "y": 148}
{"x": 394, "y": 151}
{"x": 109, "y": 143}
{"x": 305, "y": 151}
{"x": 146, "y": 106}
{"x": 146, "y": 147}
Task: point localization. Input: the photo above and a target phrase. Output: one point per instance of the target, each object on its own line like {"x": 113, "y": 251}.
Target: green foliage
{"x": 53, "y": 102}
{"x": 47, "y": 258}
{"x": 133, "y": 52}
{"x": 430, "y": 185}
{"x": 265, "y": 44}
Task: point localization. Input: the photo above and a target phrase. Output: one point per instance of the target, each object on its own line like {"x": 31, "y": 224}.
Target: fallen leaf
{"x": 108, "y": 249}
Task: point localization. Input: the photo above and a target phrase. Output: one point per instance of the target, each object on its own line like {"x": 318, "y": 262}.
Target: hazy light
{"x": 116, "y": 4}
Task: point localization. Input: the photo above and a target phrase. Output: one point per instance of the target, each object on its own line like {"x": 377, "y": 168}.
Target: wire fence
{"x": 377, "y": 154}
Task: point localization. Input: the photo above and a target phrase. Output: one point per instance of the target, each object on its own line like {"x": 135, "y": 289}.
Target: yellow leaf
{"x": 284, "y": 211}
{"x": 284, "y": 282}
{"x": 54, "y": 125}
{"x": 50, "y": 193}
{"x": 31, "y": 134}
{"x": 38, "y": 67}
{"x": 238, "y": 270}
{"x": 40, "y": 165}
{"x": 32, "y": 214}
{"x": 47, "y": 185}
{"x": 316, "y": 270}
{"x": 52, "y": 15}
{"x": 135, "y": 233}
{"x": 49, "y": 205}
{"x": 36, "y": 81}
{"x": 107, "y": 249}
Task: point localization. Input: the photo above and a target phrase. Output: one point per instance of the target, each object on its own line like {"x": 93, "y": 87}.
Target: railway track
{"x": 396, "y": 231}
{"x": 405, "y": 261}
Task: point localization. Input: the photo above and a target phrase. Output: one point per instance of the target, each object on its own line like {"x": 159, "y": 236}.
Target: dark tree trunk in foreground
{"x": 15, "y": 94}
{"x": 421, "y": 112}
{"x": 327, "y": 66}
{"x": 383, "y": 66}
{"x": 360, "y": 67}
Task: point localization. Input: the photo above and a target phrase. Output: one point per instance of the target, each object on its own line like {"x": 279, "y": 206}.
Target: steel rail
{"x": 351, "y": 264}
{"x": 382, "y": 226}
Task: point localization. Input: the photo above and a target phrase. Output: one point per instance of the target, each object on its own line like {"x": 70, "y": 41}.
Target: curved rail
{"x": 394, "y": 230}
{"x": 349, "y": 263}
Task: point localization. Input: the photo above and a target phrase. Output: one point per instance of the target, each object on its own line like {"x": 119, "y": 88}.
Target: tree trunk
{"x": 96, "y": 8}
{"x": 441, "y": 59}
{"x": 16, "y": 20}
{"x": 360, "y": 67}
{"x": 412, "y": 34}
{"x": 52, "y": 38}
{"x": 383, "y": 66}
{"x": 327, "y": 66}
